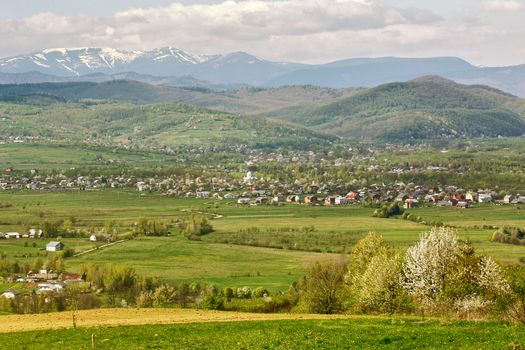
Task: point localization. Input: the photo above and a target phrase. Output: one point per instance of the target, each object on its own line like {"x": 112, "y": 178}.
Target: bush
{"x": 510, "y": 235}
{"x": 196, "y": 226}
{"x": 388, "y": 210}
{"x": 260, "y": 292}
{"x": 323, "y": 287}
{"x": 244, "y": 293}
{"x": 212, "y": 302}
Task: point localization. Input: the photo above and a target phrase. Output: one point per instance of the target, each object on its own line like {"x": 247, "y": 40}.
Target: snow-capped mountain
{"x": 81, "y": 61}
{"x": 167, "y": 61}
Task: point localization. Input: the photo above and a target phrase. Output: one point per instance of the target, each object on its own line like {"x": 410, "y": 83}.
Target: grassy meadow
{"x": 287, "y": 239}
{"x": 352, "y": 333}
{"x": 63, "y": 156}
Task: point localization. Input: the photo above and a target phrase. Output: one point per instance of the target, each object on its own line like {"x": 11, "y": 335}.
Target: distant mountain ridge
{"x": 427, "y": 108}
{"x": 164, "y": 66}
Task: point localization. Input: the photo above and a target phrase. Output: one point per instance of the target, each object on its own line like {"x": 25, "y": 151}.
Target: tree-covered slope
{"x": 149, "y": 125}
{"x": 425, "y": 108}
{"x": 243, "y": 100}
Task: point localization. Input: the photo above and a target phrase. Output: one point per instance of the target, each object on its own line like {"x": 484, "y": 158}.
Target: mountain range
{"x": 173, "y": 67}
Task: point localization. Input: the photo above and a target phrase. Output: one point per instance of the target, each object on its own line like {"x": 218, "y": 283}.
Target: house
{"x": 203, "y": 194}
{"x": 353, "y": 196}
{"x": 49, "y": 288}
{"x": 330, "y": 200}
{"x": 341, "y": 200}
{"x": 243, "y": 201}
{"x": 519, "y": 200}
{"x": 484, "y": 198}
{"x": 463, "y": 204}
{"x": 311, "y": 200}
{"x": 411, "y": 203}
{"x": 92, "y": 238}
{"x": 508, "y": 199}
{"x": 278, "y": 199}
{"x": 12, "y": 235}
{"x": 260, "y": 201}
{"x": 292, "y": 199}
{"x": 471, "y": 197}
{"x": 401, "y": 198}
{"x": 54, "y": 246}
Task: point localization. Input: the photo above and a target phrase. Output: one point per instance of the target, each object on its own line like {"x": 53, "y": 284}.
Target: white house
{"x": 339, "y": 200}
{"x": 54, "y": 246}
{"x": 203, "y": 194}
{"x": 484, "y": 198}
{"x": 49, "y": 288}
{"x": 92, "y": 238}
{"x": 15, "y": 235}
{"x": 471, "y": 197}
{"x": 243, "y": 201}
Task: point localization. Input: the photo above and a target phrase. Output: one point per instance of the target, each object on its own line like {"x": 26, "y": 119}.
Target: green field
{"x": 232, "y": 256}
{"x": 177, "y": 260}
{"x": 360, "y": 333}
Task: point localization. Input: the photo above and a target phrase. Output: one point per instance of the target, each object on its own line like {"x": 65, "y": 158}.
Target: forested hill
{"x": 425, "y": 108}
{"x": 153, "y": 125}
{"x": 243, "y": 100}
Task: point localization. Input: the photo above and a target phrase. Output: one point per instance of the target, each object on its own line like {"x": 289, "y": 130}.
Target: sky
{"x": 484, "y": 32}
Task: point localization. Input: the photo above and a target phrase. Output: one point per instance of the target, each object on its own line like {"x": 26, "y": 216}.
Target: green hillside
{"x": 148, "y": 125}
{"x": 248, "y": 101}
{"x": 426, "y": 108}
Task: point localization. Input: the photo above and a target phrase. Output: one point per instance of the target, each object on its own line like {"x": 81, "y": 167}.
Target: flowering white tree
{"x": 491, "y": 277}
{"x": 428, "y": 262}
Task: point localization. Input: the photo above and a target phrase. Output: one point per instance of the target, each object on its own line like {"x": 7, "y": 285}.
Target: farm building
{"x": 11, "y": 235}
{"x": 54, "y": 246}
{"x": 92, "y": 238}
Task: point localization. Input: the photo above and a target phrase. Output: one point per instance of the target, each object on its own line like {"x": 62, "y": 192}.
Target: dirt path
{"x": 116, "y": 317}
{"x": 100, "y": 247}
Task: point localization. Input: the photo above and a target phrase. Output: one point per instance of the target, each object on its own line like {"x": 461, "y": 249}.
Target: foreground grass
{"x": 257, "y": 332}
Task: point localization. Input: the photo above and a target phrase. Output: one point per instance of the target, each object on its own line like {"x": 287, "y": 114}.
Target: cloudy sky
{"x": 485, "y": 32}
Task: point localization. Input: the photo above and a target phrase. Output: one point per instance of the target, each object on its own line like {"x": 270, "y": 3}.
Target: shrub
{"x": 212, "y": 302}
{"x": 387, "y": 210}
{"x": 244, "y": 293}
{"x": 323, "y": 287}
{"x": 260, "y": 292}
{"x": 195, "y": 226}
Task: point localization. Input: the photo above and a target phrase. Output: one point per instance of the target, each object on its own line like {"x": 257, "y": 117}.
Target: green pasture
{"x": 357, "y": 333}
{"x": 232, "y": 255}
{"x": 63, "y": 156}
{"x": 177, "y": 260}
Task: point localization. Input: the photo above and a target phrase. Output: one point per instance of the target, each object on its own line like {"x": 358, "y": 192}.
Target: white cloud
{"x": 504, "y": 5}
{"x": 299, "y": 30}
